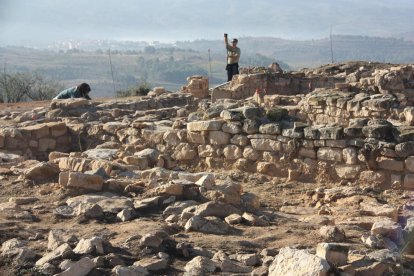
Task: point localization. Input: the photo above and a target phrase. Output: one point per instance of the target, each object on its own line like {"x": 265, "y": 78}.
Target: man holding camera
{"x": 233, "y": 56}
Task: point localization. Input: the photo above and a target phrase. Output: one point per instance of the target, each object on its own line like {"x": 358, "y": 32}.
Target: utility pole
{"x": 112, "y": 71}
{"x": 330, "y": 36}
{"x": 209, "y": 62}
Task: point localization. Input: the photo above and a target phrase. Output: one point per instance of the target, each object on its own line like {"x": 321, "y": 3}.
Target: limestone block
{"x": 206, "y": 151}
{"x": 47, "y": 144}
{"x": 390, "y": 164}
{"x": 218, "y": 138}
{"x": 405, "y": 149}
{"x": 63, "y": 251}
{"x": 171, "y": 138}
{"x": 310, "y": 153}
{"x": 184, "y": 151}
{"x": 374, "y": 178}
{"x": 85, "y": 181}
{"x": 232, "y": 127}
{"x": 334, "y": 253}
{"x": 232, "y": 152}
{"x": 38, "y": 131}
{"x": 273, "y": 128}
{"x": 389, "y": 229}
{"x": 350, "y": 156}
{"x": 378, "y": 209}
{"x": 298, "y": 262}
{"x": 265, "y": 145}
{"x": 196, "y": 137}
{"x": 200, "y": 266}
{"x": 251, "y": 154}
{"x": 57, "y": 129}
{"x": 330, "y": 154}
{"x": 205, "y": 125}
{"x": 250, "y": 126}
{"x": 141, "y": 162}
{"x": 334, "y": 133}
{"x": 409, "y": 163}
{"x": 79, "y": 268}
{"x": 409, "y": 182}
{"x": 63, "y": 179}
{"x": 347, "y": 171}
{"x": 41, "y": 172}
{"x": 337, "y": 143}
{"x": 266, "y": 168}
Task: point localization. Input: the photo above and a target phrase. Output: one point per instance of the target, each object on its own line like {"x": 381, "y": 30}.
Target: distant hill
{"x": 168, "y": 64}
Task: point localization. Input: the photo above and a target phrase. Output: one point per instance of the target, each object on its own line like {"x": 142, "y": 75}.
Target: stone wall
{"x": 36, "y": 141}
{"x": 244, "y": 85}
{"x": 66, "y": 125}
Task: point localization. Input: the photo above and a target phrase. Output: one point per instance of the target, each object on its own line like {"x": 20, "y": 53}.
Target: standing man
{"x": 233, "y": 56}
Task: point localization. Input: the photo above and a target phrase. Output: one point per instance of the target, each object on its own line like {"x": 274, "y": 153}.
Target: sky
{"x": 42, "y": 22}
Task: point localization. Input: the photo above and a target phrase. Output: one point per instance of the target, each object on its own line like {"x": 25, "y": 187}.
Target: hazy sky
{"x": 38, "y": 22}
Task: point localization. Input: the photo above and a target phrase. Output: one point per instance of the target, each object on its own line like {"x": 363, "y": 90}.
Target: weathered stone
{"x": 348, "y": 171}
{"x": 233, "y": 219}
{"x": 298, "y": 262}
{"x": 90, "y": 246}
{"x": 85, "y": 181}
{"x": 350, "y": 156}
{"x": 335, "y": 253}
{"x": 226, "y": 193}
{"x": 390, "y": 164}
{"x": 199, "y": 266}
{"x": 89, "y": 210}
{"x": 207, "y": 181}
{"x": 388, "y": 229}
{"x": 218, "y": 138}
{"x": 332, "y": 233}
{"x": 209, "y": 225}
{"x": 205, "y": 125}
{"x": 232, "y": 128}
{"x": 240, "y": 140}
{"x": 330, "y": 154}
{"x": 196, "y": 137}
{"x": 216, "y": 209}
{"x": 266, "y": 145}
{"x": 334, "y": 133}
{"x": 184, "y": 151}
{"x": 63, "y": 251}
{"x": 152, "y": 263}
{"x": 79, "y": 268}
{"x": 409, "y": 182}
{"x": 251, "y": 154}
{"x": 42, "y": 172}
{"x": 169, "y": 189}
{"x": 250, "y": 126}
{"x": 106, "y": 154}
{"x": 129, "y": 271}
{"x": 232, "y": 152}
{"x": 272, "y": 128}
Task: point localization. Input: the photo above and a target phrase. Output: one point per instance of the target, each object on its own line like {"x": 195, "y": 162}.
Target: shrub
{"x": 141, "y": 89}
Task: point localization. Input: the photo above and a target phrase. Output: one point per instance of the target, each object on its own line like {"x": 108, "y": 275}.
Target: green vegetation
{"x": 138, "y": 90}
{"x": 19, "y": 87}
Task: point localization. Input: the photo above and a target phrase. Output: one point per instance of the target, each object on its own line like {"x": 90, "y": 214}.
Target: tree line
{"x": 20, "y": 87}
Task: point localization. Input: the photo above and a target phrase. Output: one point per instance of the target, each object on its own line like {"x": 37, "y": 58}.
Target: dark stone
{"x": 403, "y": 133}
{"x": 276, "y": 114}
{"x": 353, "y": 132}
{"x": 311, "y": 133}
{"x": 332, "y": 133}
{"x": 382, "y": 132}
{"x": 405, "y": 149}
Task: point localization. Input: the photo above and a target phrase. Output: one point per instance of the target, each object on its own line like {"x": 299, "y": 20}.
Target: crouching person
{"x": 80, "y": 91}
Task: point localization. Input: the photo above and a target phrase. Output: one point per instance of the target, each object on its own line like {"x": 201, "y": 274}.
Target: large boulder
{"x": 42, "y": 172}
{"x": 299, "y": 263}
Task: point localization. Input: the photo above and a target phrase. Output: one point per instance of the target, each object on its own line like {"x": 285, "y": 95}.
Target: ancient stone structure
{"x": 338, "y": 153}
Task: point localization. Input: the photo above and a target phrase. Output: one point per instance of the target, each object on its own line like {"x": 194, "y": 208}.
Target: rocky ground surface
{"x": 105, "y": 212}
